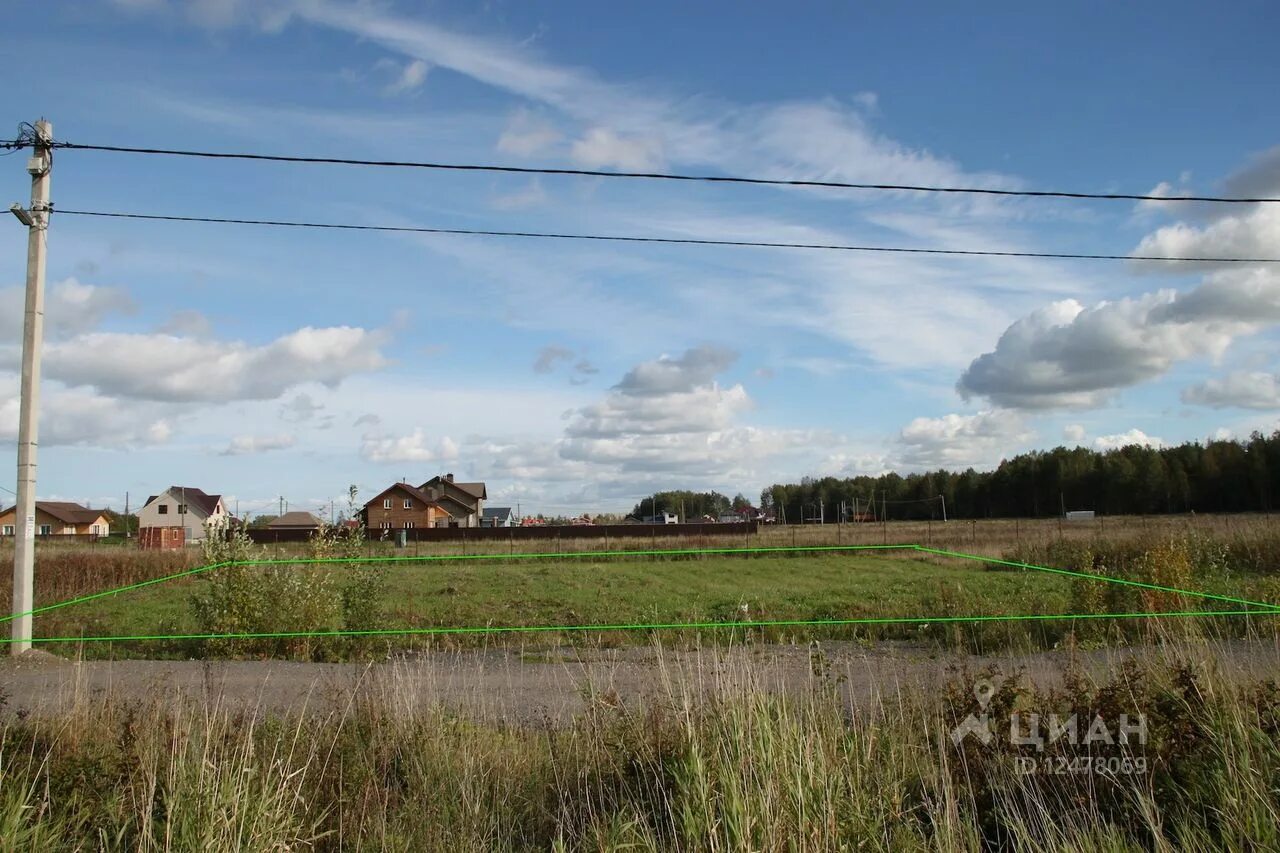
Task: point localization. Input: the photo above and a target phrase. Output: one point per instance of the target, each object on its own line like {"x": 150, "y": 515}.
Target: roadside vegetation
{"x": 719, "y": 764}
{"x": 287, "y": 597}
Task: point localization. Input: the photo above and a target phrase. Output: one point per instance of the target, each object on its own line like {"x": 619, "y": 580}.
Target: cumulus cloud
{"x": 167, "y": 367}
{"x": 70, "y": 308}
{"x": 602, "y": 148}
{"x": 658, "y": 403}
{"x": 80, "y": 417}
{"x": 243, "y": 445}
{"x": 960, "y": 441}
{"x": 696, "y": 410}
{"x": 414, "y": 447}
{"x": 1067, "y": 355}
{"x": 1073, "y": 433}
{"x": 1260, "y": 176}
{"x": 856, "y": 464}
{"x": 1240, "y": 389}
{"x": 1125, "y": 439}
{"x": 1253, "y": 233}
{"x": 671, "y": 416}
{"x": 1250, "y": 231}
{"x": 666, "y": 375}
{"x": 1148, "y": 208}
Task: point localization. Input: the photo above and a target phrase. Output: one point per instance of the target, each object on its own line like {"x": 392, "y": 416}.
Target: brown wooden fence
{"x": 266, "y": 536}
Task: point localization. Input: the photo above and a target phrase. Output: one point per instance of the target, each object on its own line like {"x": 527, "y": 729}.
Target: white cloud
{"x": 1253, "y": 233}
{"x": 1073, "y": 433}
{"x": 602, "y": 148}
{"x": 166, "y": 367}
{"x": 1248, "y": 231}
{"x": 409, "y": 79}
{"x": 960, "y": 441}
{"x": 1125, "y": 439}
{"x": 414, "y": 447}
{"x": 1067, "y": 355}
{"x": 621, "y": 414}
{"x": 83, "y": 418}
{"x": 696, "y": 367}
{"x": 243, "y": 445}
{"x": 70, "y": 307}
{"x": 1147, "y": 209}
{"x": 527, "y": 134}
{"x": 1240, "y": 389}
{"x": 855, "y": 464}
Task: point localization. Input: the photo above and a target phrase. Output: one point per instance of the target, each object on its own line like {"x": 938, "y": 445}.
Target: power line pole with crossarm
{"x": 36, "y": 218}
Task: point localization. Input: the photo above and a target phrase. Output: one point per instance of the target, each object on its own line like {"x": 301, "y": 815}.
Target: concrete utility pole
{"x": 37, "y": 221}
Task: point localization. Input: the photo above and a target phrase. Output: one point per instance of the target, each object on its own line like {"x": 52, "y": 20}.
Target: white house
{"x": 185, "y": 507}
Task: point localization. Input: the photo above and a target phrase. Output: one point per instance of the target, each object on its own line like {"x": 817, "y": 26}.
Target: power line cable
{"x": 659, "y": 176}
{"x": 411, "y": 229}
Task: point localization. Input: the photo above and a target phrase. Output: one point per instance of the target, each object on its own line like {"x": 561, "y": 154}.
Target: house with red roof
{"x": 186, "y": 507}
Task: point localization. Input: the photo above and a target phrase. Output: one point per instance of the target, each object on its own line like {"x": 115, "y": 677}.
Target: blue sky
{"x": 572, "y": 377}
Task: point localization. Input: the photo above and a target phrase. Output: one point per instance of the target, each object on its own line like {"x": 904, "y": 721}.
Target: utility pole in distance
{"x": 37, "y": 221}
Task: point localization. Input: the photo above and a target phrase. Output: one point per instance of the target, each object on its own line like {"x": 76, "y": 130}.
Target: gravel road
{"x": 549, "y": 688}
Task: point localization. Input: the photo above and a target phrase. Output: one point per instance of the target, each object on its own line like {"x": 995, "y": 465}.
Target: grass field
{"x": 712, "y": 763}
{"x": 716, "y": 762}
{"x": 1236, "y": 556}
{"x": 592, "y": 591}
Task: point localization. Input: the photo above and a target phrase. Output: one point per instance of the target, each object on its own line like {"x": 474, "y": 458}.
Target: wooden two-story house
{"x": 463, "y": 501}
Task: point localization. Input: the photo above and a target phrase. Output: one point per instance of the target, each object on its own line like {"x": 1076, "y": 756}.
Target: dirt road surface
{"x": 551, "y": 688}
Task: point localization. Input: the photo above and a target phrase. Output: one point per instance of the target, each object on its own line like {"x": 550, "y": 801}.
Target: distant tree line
{"x": 689, "y": 505}
{"x": 1216, "y": 476}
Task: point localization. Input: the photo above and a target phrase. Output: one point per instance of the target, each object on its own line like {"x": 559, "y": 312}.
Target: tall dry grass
{"x": 716, "y": 763}
{"x": 69, "y": 571}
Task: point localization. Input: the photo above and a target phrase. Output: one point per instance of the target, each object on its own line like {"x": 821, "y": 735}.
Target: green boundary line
{"x": 657, "y": 626}
{"x": 1266, "y": 608}
{"x": 450, "y": 558}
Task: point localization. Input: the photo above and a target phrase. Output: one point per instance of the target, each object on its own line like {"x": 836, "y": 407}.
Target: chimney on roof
{"x": 448, "y": 477}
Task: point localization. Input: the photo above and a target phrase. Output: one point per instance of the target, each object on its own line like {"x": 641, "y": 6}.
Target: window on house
{"x": 408, "y": 504}
{"x": 163, "y": 509}
{"x": 8, "y": 530}
{"x": 386, "y": 525}
{"x": 408, "y": 525}
{"x": 386, "y": 504}
{"x": 46, "y": 530}
{"x": 182, "y": 509}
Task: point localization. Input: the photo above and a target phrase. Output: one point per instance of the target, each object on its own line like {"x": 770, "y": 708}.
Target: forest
{"x": 1214, "y": 476}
